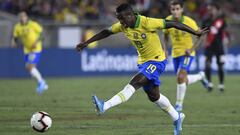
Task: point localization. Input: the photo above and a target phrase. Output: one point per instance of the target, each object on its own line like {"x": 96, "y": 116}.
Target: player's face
{"x": 23, "y": 17}
{"x": 176, "y": 11}
{"x": 126, "y": 18}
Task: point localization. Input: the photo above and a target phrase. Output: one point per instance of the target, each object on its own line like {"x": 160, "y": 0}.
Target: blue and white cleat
{"x": 178, "y": 124}
{"x": 98, "y": 105}
{"x": 178, "y": 108}
{"x": 42, "y": 86}
{"x": 204, "y": 80}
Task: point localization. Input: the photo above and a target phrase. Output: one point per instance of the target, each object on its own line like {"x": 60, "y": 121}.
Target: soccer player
{"x": 182, "y": 51}
{"x": 142, "y": 32}
{"x": 29, "y": 34}
{"x": 214, "y": 43}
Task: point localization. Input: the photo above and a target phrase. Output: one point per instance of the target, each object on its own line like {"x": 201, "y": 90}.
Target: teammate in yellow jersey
{"x": 29, "y": 34}
{"x": 182, "y": 51}
{"x": 142, "y": 32}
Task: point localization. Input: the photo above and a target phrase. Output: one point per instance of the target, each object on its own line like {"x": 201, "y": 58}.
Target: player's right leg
{"x": 137, "y": 81}
{"x": 208, "y": 62}
{"x": 31, "y": 62}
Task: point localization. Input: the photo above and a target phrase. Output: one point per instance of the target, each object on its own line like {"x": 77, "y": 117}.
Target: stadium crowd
{"x": 73, "y": 11}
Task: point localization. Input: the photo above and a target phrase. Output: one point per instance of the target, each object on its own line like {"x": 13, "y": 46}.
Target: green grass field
{"x": 68, "y": 101}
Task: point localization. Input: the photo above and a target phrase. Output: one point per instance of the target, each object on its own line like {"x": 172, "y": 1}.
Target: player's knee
{"x": 181, "y": 78}
{"x": 220, "y": 62}
{"x": 29, "y": 67}
{"x": 136, "y": 84}
{"x": 153, "y": 97}
{"x": 208, "y": 64}
{"x": 220, "y": 65}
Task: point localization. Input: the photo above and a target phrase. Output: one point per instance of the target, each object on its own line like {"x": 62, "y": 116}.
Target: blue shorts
{"x": 152, "y": 70}
{"x": 182, "y": 62}
{"x": 32, "y": 58}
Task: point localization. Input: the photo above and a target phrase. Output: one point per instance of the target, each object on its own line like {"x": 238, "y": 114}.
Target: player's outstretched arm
{"x": 181, "y": 26}
{"x": 165, "y": 44}
{"x": 101, "y": 35}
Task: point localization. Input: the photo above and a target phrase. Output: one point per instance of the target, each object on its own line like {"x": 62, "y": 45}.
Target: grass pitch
{"x": 68, "y": 101}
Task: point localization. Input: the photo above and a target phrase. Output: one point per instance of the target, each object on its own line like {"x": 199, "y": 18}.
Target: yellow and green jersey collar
{"x": 137, "y": 22}
{"x": 181, "y": 19}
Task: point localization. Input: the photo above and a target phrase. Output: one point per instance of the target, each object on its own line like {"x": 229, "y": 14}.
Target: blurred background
{"x": 68, "y": 22}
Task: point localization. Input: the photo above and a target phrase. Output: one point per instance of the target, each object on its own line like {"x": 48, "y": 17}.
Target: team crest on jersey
{"x": 144, "y": 36}
{"x": 135, "y": 35}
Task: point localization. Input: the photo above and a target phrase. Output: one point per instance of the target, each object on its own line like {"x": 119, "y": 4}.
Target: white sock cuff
{"x": 126, "y": 93}
{"x": 33, "y": 70}
{"x": 130, "y": 87}
{"x": 182, "y": 84}
{"x": 36, "y": 74}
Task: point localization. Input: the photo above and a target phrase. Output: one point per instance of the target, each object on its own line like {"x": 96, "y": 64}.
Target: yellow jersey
{"x": 144, "y": 37}
{"x": 28, "y": 34}
{"x": 181, "y": 40}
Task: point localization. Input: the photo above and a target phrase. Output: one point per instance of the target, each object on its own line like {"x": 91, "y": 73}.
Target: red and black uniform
{"x": 214, "y": 43}
{"x": 215, "y": 46}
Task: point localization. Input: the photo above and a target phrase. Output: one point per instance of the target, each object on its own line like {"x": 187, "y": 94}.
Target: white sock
{"x": 119, "y": 98}
{"x": 181, "y": 90}
{"x": 193, "y": 78}
{"x": 165, "y": 105}
{"x": 36, "y": 74}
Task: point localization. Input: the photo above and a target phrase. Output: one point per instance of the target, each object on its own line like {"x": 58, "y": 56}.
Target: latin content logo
{"x": 107, "y": 61}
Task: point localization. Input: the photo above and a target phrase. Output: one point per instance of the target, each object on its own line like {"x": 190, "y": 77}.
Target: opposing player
{"x": 142, "y": 32}
{"x": 182, "y": 51}
{"x": 214, "y": 43}
{"x": 29, "y": 34}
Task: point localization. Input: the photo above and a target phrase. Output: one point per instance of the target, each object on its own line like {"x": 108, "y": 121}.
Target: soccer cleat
{"x": 178, "y": 108}
{"x": 178, "y": 124}
{"x": 221, "y": 87}
{"x": 204, "y": 80}
{"x": 98, "y": 105}
{"x": 41, "y": 87}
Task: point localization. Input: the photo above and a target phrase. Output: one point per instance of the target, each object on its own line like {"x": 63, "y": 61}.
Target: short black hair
{"x": 176, "y": 2}
{"x": 124, "y": 7}
{"x": 214, "y": 4}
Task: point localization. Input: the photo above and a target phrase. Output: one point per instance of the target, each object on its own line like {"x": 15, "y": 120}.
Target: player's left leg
{"x": 220, "y": 63}
{"x": 182, "y": 67}
{"x": 161, "y": 101}
{"x": 31, "y": 61}
{"x": 181, "y": 89}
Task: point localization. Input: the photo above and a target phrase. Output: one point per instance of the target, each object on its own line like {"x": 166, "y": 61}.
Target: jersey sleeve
{"x": 191, "y": 23}
{"x": 154, "y": 24}
{"x": 115, "y": 28}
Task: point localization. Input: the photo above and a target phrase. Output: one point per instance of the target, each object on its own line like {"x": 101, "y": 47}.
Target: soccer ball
{"x": 41, "y": 121}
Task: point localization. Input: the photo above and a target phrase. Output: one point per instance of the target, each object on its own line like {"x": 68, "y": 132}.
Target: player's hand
{"x": 203, "y": 31}
{"x": 13, "y": 45}
{"x": 188, "y": 52}
{"x": 33, "y": 46}
{"x": 81, "y": 46}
